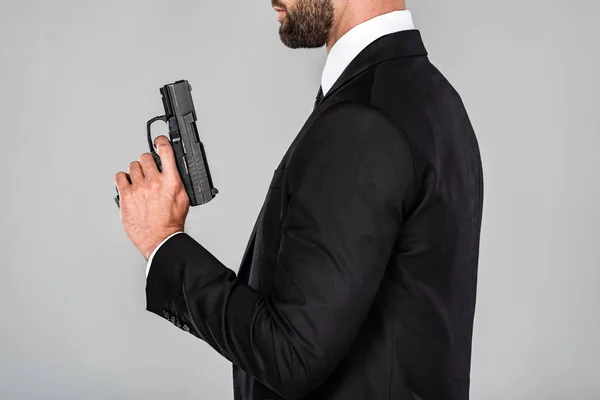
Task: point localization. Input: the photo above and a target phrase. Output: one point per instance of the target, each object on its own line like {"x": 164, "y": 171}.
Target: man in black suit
{"x": 359, "y": 278}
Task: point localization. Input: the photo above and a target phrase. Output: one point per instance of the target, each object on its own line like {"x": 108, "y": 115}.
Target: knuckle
{"x": 146, "y": 157}
{"x": 175, "y": 183}
{"x": 154, "y": 185}
{"x": 120, "y": 178}
{"x": 164, "y": 148}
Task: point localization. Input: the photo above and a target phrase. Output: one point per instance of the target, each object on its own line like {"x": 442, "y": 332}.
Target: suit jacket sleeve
{"x": 348, "y": 179}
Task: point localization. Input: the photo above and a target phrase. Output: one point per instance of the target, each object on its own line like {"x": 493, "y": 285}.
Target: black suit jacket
{"x": 359, "y": 278}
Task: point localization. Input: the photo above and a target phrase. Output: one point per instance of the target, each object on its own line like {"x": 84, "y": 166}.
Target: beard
{"x": 307, "y": 24}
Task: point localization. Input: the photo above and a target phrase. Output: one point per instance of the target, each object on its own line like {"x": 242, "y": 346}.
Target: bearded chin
{"x": 308, "y": 26}
{"x": 291, "y": 37}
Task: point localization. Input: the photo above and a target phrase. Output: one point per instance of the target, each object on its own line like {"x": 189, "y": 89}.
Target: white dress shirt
{"x": 343, "y": 52}
{"x": 356, "y": 39}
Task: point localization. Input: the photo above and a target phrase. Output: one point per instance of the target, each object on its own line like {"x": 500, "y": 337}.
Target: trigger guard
{"x": 149, "y": 131}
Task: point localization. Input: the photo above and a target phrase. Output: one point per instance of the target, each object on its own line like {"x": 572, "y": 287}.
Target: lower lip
{"x": 280, "y": 13}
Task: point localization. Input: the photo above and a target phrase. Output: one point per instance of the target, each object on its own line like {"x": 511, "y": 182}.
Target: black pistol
{"x": 190, "y": 155}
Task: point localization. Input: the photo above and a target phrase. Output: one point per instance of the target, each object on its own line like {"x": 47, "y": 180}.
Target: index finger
{"x": 166, "y": 154}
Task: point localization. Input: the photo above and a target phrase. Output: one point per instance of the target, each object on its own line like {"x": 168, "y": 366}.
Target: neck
{"x": 351, "y": 13}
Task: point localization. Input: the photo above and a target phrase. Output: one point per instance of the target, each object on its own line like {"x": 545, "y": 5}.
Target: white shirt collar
{"x": 356, "y": 39}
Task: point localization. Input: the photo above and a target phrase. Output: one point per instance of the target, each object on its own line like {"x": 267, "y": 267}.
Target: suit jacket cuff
{"x": 184, "y": 271}
{"x": 154, "y": 252}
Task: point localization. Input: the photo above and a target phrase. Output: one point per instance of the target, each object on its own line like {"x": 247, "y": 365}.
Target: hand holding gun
{"x": 189, "y": 151}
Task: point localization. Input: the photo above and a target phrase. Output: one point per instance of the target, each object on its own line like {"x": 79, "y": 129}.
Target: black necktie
{"x": 319, "y": 97}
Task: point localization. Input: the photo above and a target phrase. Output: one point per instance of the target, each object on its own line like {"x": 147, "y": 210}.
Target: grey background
{"x": 78, "y": 80}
